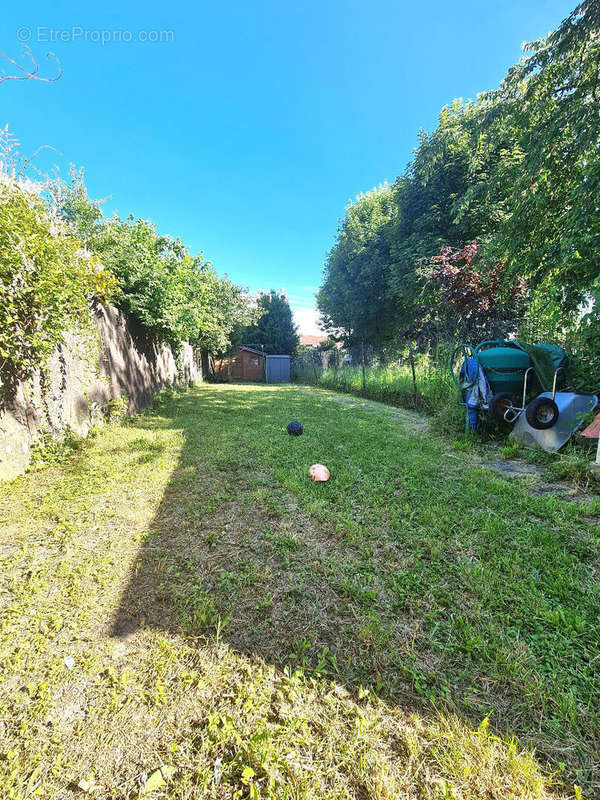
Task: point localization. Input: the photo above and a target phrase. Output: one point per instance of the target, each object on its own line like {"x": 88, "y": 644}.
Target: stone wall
{"x": 73, "y": 390}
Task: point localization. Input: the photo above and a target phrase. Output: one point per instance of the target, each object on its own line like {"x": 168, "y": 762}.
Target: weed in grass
{"x": 48, "y": 449}
{"x": 573, "y": 464}
{"x": 511, "y": 450}
{"x": 199, "y": 614}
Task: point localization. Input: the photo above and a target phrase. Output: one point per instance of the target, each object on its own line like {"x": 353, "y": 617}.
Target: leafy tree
{"x": 71, "y": 203}
{"x": 468, "y": 298}
{"x": 275, "y": 331}
{"x": 225, "y": 309}
{"x": 156, "y": 277}
{"x": 372, "y": 283}
{"x": 171, "y": 294}
{"x": 519, "y": 171}
{"x": 352, "y": 298}
{"x": 551, "y": 101}
{"x": 426, "y": 198}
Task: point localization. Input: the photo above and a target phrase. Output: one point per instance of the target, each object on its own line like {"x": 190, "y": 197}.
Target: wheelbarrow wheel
{"x": 499, "y": 404}
{"x": 542, "y": 413}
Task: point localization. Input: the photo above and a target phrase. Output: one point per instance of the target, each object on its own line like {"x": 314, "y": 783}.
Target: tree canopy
{"x": 517, "y": 171}
{"x": 59, "y": 255}
{"x": 170, "y": 293}
{"x": 354, "y": 298}
{"x": 274, "y": 332}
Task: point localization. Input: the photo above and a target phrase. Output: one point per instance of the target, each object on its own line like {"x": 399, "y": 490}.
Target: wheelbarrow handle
{"x": 467, "y": 352}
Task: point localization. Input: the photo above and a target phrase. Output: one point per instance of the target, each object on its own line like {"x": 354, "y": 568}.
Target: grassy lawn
{"x": 186, "y": 615}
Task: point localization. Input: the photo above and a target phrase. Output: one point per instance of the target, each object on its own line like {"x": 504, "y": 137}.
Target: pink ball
{"x": 318, "y": 472}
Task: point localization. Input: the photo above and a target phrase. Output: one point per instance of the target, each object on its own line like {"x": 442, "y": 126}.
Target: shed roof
{"x": 252, "y": 350}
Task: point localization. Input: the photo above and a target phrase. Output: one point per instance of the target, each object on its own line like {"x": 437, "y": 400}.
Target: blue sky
{"x": 245, "y": 128}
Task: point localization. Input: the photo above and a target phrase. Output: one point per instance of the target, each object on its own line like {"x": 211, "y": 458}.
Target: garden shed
{"x": 278, "y": 369}
{"x": 249, "y": 364}
{"x": 246, "y": 364}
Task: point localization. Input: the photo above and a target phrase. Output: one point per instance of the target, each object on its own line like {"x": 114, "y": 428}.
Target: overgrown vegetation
{"x": 517, "y": 173}
{"x": 431, "y": 391}
{"x": 47, "y": 282}
{"x": 58, "y": 256}
{"x": 204, "y": 621}
{"x": 173, "y": 295}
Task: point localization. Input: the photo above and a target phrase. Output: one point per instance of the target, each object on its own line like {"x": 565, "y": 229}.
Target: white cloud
{"x": 307, "y": 321}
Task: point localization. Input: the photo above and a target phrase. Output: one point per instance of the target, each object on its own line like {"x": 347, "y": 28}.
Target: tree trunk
{"x": 205, "y": 362}
{"x": 362, "y": 364}
{"x": 412, "y": 367}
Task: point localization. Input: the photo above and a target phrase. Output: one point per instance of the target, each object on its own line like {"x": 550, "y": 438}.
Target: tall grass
{"x": 393, "y": 384}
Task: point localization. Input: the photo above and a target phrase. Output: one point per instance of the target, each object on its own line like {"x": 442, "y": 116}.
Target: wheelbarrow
{"x": 497, "y": 377}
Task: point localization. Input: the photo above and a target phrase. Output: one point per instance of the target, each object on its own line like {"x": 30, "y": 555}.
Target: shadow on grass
{"x": 338, "y": 578}
{"x": 231, "y": 549}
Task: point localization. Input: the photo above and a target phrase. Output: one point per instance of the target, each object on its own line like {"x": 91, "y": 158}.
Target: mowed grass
{"x": 184, "y": 614}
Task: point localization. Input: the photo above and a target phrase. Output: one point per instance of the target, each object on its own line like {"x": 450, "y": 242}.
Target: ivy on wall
{"x": 47, "y": 282}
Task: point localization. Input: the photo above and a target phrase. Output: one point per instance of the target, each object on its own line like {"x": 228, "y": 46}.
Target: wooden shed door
{"x": 237, "y": 367}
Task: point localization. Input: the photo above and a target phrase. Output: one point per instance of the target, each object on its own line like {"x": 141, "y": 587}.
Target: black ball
{"x": 294, "y": 428}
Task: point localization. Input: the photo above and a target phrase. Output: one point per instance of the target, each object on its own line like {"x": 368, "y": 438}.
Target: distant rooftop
{"x": 313, "y": 341}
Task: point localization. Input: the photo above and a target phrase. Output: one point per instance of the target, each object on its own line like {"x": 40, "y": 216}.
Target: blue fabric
{"x": 469, "y": 369}
{"x": 472, "y": 414}
{"x": 477, "y": 395}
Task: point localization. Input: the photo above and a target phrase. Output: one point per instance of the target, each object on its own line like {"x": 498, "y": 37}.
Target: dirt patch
{"x": 70, "y": 705}
{"x": 536, "y": 479}
{"x": 511, "y": 469}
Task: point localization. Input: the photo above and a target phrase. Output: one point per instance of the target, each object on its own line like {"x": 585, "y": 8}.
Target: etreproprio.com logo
{"x": 44, "y": 34}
